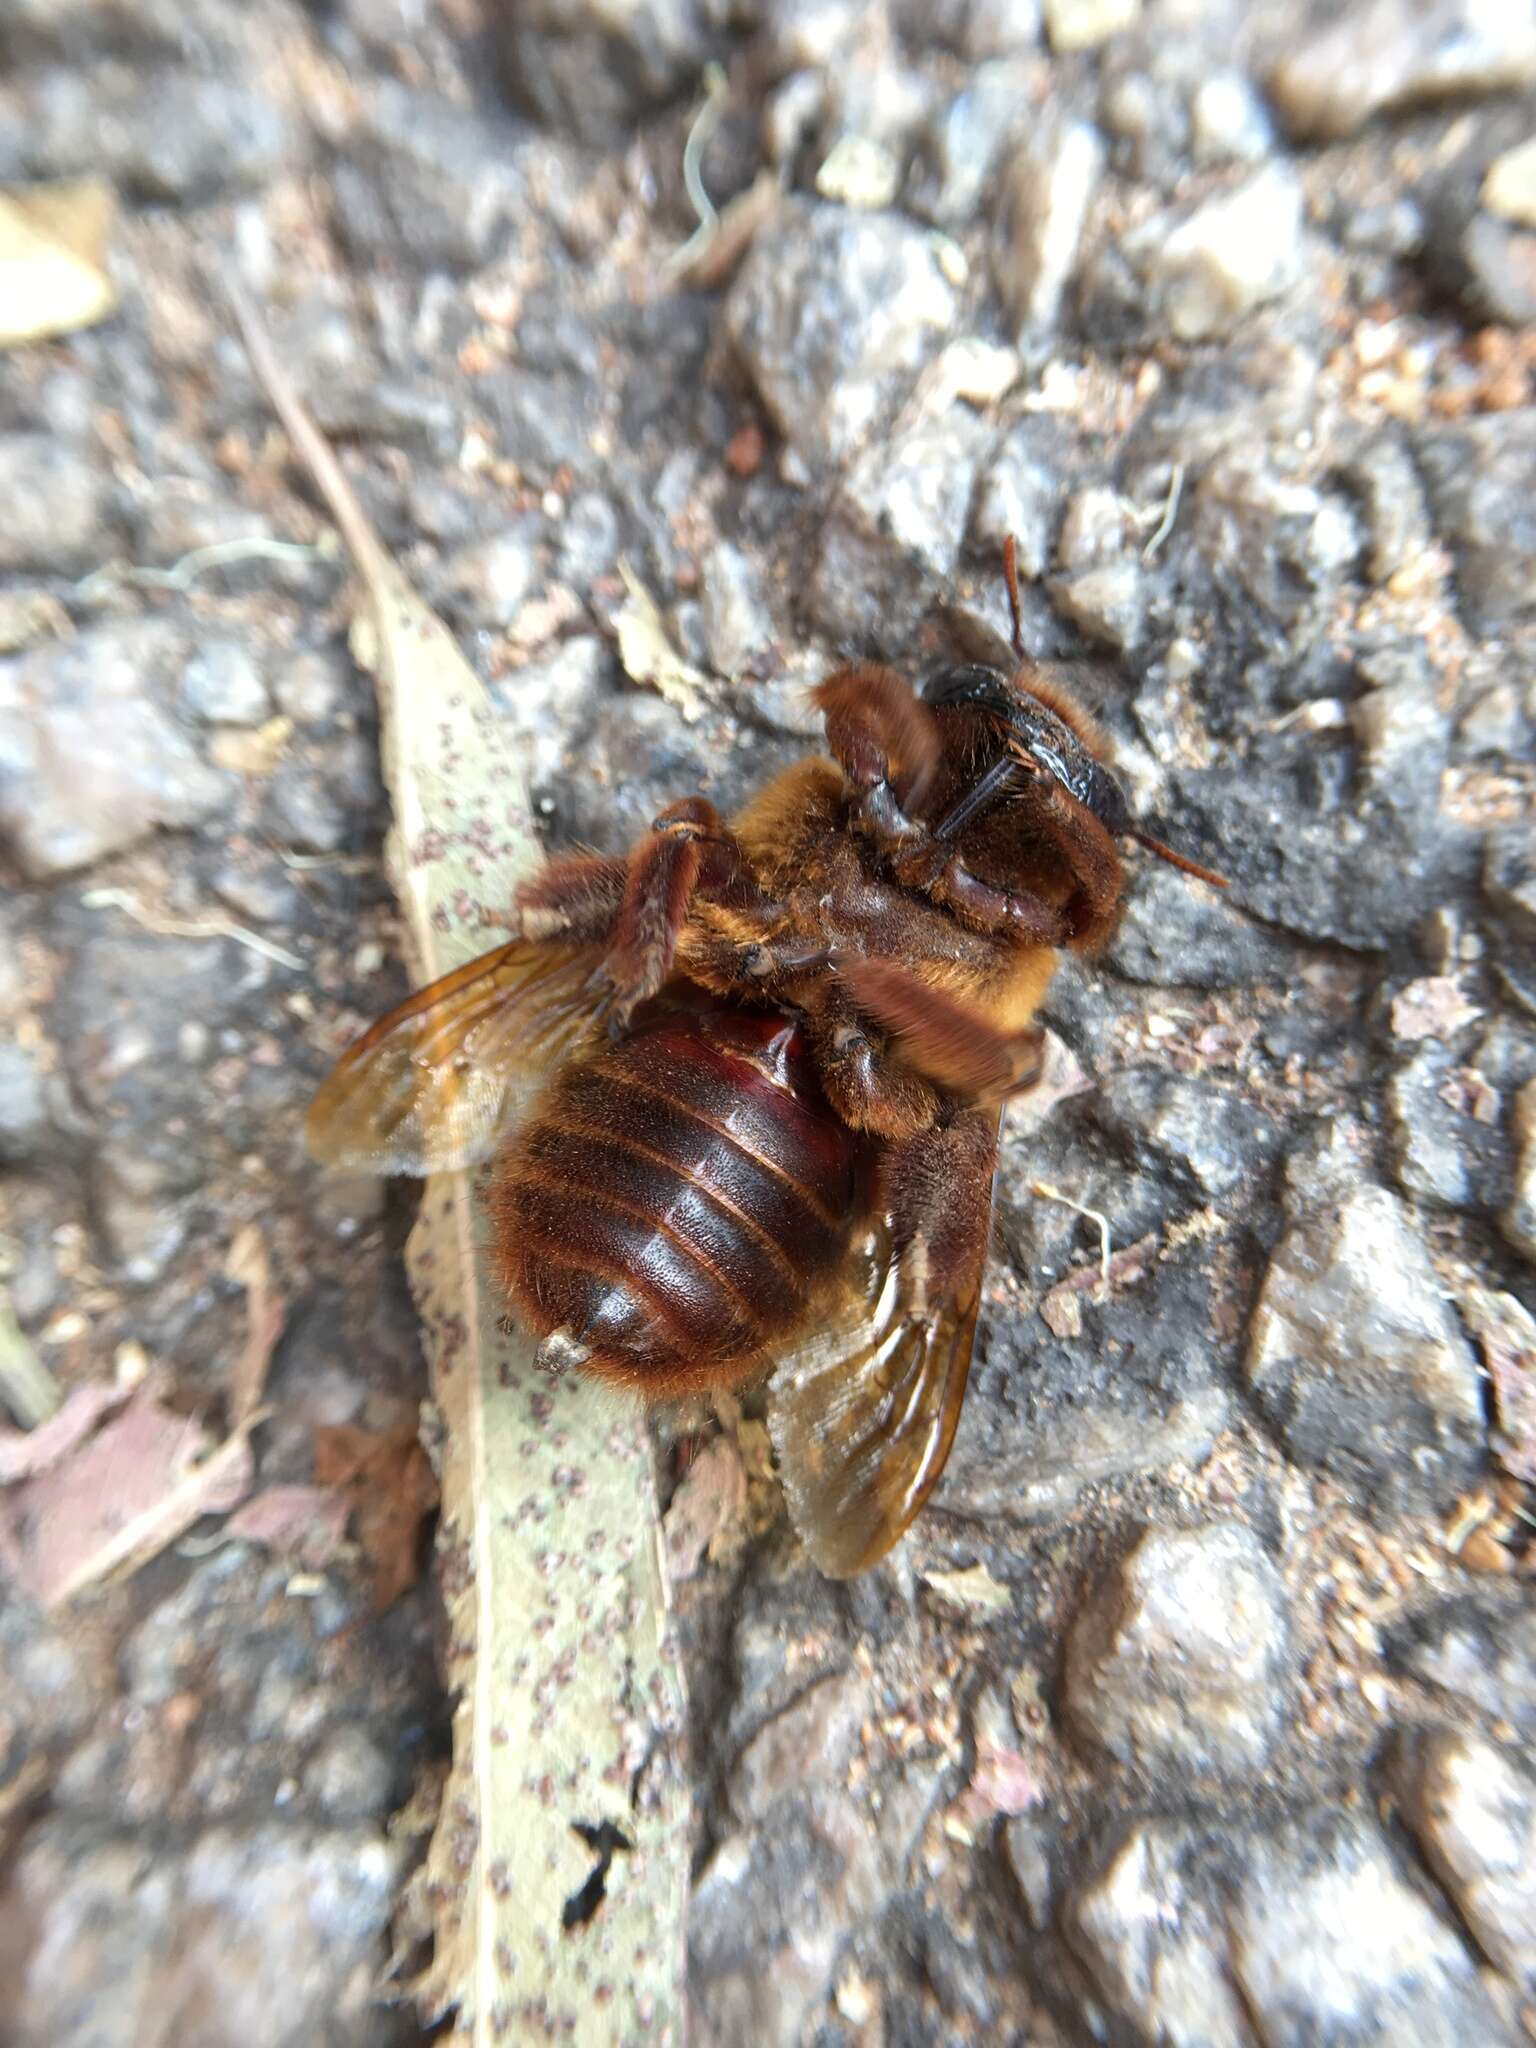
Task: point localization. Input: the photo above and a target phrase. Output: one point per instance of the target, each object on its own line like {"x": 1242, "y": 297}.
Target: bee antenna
{"x": 1011, "y": 579}
{"x": 1178, "y": 860}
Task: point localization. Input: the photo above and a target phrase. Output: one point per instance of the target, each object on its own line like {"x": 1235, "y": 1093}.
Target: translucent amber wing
{"x": 429, "y": 1088}
{"x": 862, "y": 1414}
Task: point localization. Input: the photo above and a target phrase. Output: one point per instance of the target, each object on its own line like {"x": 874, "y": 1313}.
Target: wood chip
{"x": 53, "y": 247}
{"x": 648, "y": 655}
{"x": 249, "y": 1266}
{"x": 389, "y": 1487}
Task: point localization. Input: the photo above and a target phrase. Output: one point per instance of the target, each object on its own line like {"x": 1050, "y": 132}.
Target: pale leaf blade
{"x": 568, "y": 1704}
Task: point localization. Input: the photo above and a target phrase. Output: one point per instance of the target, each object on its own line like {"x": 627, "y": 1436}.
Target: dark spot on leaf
{"x": 603, "y": 1840}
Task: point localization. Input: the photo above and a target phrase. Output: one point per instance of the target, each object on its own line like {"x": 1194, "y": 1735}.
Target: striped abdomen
{"x": 672, "y": 1203}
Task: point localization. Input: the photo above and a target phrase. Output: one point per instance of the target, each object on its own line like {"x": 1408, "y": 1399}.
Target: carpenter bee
{"x": 741, "y": 1086}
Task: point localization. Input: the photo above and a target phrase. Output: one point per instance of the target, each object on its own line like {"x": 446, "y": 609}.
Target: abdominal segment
{"x": 673, "y": 1205}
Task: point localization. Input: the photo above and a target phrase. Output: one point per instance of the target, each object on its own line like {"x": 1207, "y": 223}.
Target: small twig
{"x": 176, "y": 928}
{"x": 27, "y": 1387}
{"x": 183, "y": 573}
{"x": 1170, "y": 513}
{"x": 1053, "y": 1194}
{"x": 311, "y": 863}
{"x": 706, "y": 121}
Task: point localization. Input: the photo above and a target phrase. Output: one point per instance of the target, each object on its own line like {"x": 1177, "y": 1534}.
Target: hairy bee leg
{"x": 688, "y": 852}
{"x": 949, "y": 1041}
{"x": 945, "y": 878}
{"x": 575, "y": 897}
{"x": 886, "y": 741}
{"x": 936, "y": 1189}
{"x": 765, "y": 965}
{"x": 868, "y": 1091}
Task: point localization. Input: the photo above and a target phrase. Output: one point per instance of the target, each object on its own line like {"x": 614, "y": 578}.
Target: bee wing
{"x": 429, "y": 1087}
{"x": 863, "y": 1413}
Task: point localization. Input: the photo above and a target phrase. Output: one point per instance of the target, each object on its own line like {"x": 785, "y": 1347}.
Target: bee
{"x": 740, "y": 1088}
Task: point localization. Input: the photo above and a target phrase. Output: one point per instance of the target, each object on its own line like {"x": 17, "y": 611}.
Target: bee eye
{"x": 1106, "y": 799}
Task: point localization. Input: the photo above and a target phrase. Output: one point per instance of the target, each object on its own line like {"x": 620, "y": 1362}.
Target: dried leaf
{"x": 711, "y": 1497}
{"x": 251, "y": 753}
{"x": 1124, "y": 1268}
{"x": 249, "y": 1266}
{"x": 1061, "y": 1076}
{"x": 118, "y": 1498}
{"x": 53, "y": 246}
{"x": 389, "y": 1488}
{"x": 26, "y": 1452}
{"x": 972, "y": 1591}
{"x": 1006, "y": 1781}
{"x": 649, "y": 657}
{"x": 306, "y": 1523}
{"x": 1062, "y": 1314}
{"x": 552, "y": 1570}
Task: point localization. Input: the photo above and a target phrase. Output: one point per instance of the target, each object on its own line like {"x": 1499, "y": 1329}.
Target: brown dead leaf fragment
{"x": 711, "y": 1497}
{"x": 249, "y": 1266}
{"x": 387, "y": 1483}
{"x": 53, "y": 245}
{"x": 1123, "y": 1270}
{"x": 305, "y": 1523}
{"x": 1062, "y": 1313}
{"x": 26, "y": 1452}
{"x": 1004, "y": 1781}
{"x": 118, "y": 1497}
{"x": 735, "y": 229}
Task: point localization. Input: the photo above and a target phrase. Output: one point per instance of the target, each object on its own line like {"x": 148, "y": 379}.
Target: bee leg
{"x": 766, "y": 965}
{"x": 886, "y": 741}
{"x": 688, "y": 853}
{"x": 868, "y": 1091}
{"x": 949, "y": 1041}
{"x": 936, "y": 1190}
{"x": 576, "y": 897}
{"x": 942, "y": 875}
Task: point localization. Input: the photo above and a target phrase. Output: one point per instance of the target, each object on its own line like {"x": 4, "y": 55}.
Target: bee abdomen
{"x": 674, "y": 1202}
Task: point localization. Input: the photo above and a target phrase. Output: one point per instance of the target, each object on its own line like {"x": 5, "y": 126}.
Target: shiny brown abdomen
{"x": 674, "y": 1202}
